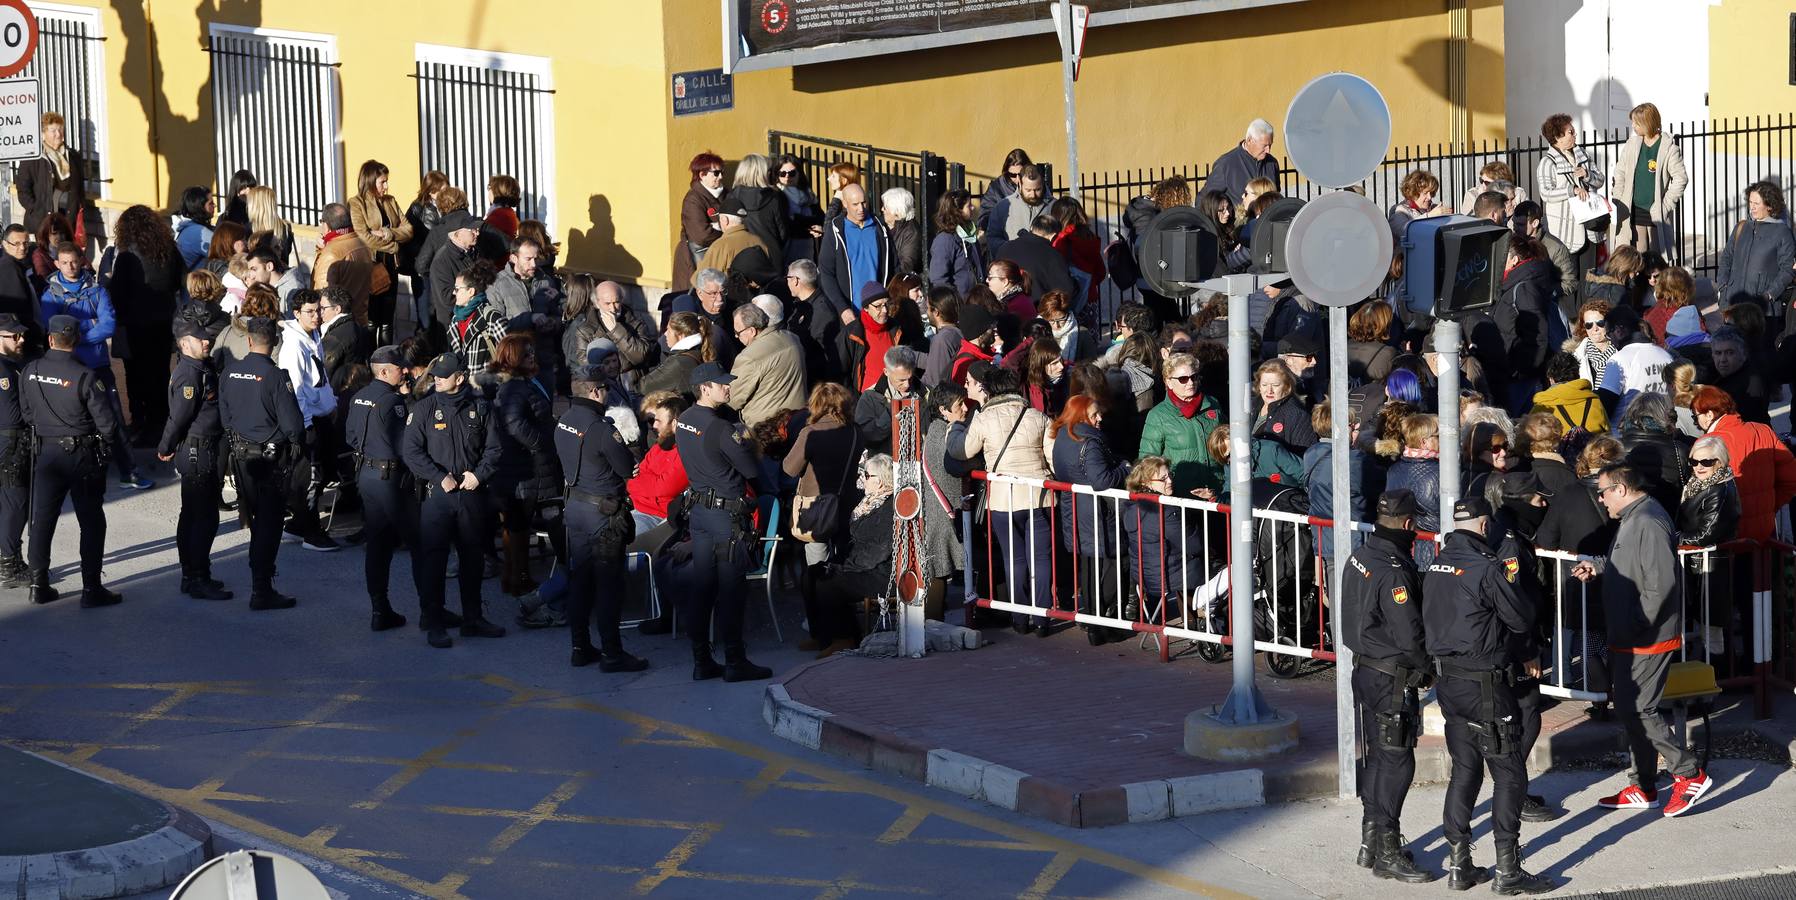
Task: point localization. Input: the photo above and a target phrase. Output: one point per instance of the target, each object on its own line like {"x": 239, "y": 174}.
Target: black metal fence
{"x": 475, "y": 122}
{"x": 274, "y": 105}
{"x": 1723, "y": 157}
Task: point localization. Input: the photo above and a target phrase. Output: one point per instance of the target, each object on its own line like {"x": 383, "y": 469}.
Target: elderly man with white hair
{"x": 1250, "y": 159}
{"x": 873, "y": 409}
{"x": 769, "y": 371}
{"x": 900, "y": 211}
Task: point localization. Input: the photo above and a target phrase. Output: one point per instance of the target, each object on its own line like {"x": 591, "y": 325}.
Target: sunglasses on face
{"x": 1183, "y": 379}
{"x": 788, "y": 173}
{"x": 713, "y": 172}
{"x": 1705, "y": 463}
{"x": 1596, "y": 323}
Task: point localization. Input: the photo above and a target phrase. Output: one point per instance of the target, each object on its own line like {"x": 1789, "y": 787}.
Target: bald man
{"x": 856, "y": 251}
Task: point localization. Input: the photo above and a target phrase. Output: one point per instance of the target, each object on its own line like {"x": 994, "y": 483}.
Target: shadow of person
{"x": 596, "y": 248}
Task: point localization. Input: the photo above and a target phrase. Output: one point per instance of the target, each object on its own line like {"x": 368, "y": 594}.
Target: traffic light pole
{"x": 1446, "y": 343}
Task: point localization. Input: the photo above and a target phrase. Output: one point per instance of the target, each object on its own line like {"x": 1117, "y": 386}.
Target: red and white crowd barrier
{"x": 1030, "y": 567}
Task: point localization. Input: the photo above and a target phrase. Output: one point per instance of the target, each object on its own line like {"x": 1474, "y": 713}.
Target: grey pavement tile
{"x": 432, "y": 844}
{"x": 858, "y": 815}
{"x": 309, "y": 781}
{"x": 297, "y": 819}
{"x": 523, "y": 880}
{"x": 343, "y": 742}
{"x": 661, "y": 794}
{"x": 543, "y": 738}
{"x": 593, "y": 844}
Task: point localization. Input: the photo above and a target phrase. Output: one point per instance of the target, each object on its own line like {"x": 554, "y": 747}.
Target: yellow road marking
{"x": 900, "y": 830}
{"x": 1050, "y": 876}
{"x": 1066, "y": 852}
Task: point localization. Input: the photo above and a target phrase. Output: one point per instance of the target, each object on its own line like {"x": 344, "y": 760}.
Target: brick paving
{"x": 1090, "y": 718}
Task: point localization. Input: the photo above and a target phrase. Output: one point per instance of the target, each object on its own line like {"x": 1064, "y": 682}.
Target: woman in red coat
{"x": 1079, "y": 245}
{"x": 1763, "y": 467}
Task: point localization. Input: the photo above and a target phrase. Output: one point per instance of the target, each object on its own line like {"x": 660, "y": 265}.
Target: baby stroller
{"x": 1284, "y": 563}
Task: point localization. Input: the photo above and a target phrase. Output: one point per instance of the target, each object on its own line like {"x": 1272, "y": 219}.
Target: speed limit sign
{"x": 18, "y": 37}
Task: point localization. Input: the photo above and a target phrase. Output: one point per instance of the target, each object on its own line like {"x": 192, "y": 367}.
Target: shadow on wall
{"x": 1428, "y": 61}
{"x": 1184, "y": 31}
{"x": 184, "y": 144}
{"x": 597, "y": 248}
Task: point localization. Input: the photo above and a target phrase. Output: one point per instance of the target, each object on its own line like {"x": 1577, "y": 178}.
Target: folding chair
{"x": 770, "y": 542}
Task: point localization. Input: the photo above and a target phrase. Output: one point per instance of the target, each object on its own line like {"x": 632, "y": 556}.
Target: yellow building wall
{"x": 1749, "y": 64}
{"x": 1161, "y": 93}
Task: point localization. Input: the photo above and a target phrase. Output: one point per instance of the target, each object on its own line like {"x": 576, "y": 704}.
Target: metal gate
{"x": 276, "y": 113}
{"x": 484, "y": 114}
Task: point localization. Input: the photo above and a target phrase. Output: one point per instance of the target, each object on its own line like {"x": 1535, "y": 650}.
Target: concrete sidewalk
{"x": 66, "y": 834}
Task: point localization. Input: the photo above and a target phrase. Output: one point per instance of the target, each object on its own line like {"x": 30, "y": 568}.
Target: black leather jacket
{"x": 1712, "y": 516}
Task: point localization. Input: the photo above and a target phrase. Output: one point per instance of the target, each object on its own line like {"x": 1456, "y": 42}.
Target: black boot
{"x": 704, "y": 668}
{"x": 1462, "y": 875}
{"x": 41, "y": 591}
{"x": 1368, "y": 844}
{"x": 1535, "y": 809}
{"x": 738, "y": 667}
{"x": 200, "y": 588}
{"x": 616, "y": 660}
{"x": 1394, "y": 861}
{"x": 1511, "y": 878}
{"x": 446, "y": 618}
{"x": 98, "y": 596}
{"x": 14, "y": 573}
{"x": 385, "y": 618}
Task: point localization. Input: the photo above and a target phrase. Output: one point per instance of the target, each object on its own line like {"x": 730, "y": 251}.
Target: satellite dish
{"x": 1178, "y": 248}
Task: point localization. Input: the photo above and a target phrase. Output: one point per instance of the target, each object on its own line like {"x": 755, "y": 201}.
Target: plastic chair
{"x": 1690, "y": 692}
{"x": 770, "y": 542}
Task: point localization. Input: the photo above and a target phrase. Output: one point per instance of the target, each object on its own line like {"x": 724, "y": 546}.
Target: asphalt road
{"x": 495, "y": 770}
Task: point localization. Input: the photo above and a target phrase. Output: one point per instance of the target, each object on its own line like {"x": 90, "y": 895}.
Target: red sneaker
{"x": 1685, "y": 792}
{"x": 1631, "y": 797}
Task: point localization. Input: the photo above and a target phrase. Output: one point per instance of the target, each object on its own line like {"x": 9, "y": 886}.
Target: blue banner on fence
{"x": 707, "y": 90}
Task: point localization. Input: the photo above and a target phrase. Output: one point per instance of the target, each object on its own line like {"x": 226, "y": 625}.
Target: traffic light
{"x": 1452, "y": 264}
{"x": 1177, "y": 249}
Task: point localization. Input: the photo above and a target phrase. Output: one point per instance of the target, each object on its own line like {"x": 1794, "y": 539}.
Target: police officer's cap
{"x": 10, "y": 324}
{"x": 1397, "y": 504}
{"x": 263, "y": 330}
{"x": 388, "y": 355}
{"x": 1301, "y": 343}
{"x": 1471, "y": 508}
{"x": 188, "y": 328}
{"x": 712, "y": 373}
{"x": 1517, "y": 485}
{"x": 447, "y": 364}
{"x": 63, "y": 326}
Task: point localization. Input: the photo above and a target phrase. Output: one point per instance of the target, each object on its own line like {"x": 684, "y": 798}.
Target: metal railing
{"x": 475, "y": 122}
{"x": 922, "y": 173}
{"x": 275, "y": 113}
{"x": 1162, "y": 571}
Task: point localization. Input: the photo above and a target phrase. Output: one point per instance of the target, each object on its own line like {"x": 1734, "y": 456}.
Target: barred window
{"x": 482, "y": 114}
{"x": 276, "y": 113}
{"x": 70, "y": 67}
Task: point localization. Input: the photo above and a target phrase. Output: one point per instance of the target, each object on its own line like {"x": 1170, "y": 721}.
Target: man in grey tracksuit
{"x": 1643, "y": 599}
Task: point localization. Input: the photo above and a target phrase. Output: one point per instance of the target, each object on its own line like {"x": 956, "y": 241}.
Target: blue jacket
{"x": 1421, "y": 477}
{"x": 1164, "y": 555}
{"x": 90, "y": 305}
{"x": 1088, "y": 461}
{"x": 194, "y": 240}
{"x": 956, "y": 262}
{"x": 1319, "y": 483}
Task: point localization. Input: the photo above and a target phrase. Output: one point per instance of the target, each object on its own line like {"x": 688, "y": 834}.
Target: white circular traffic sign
{"x": 1339, "y": 249}
{"x": 1337, "y": 130}
{"x": 18, "y": 37}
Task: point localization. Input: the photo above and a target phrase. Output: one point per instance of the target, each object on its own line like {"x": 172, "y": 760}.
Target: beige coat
{"x": 769, "y": 377}
{"x": 1668, "y": 186}
{"x": 346, "y": 263}
{"x": 364, "y": 218}
{"x": 1025, "y": 456}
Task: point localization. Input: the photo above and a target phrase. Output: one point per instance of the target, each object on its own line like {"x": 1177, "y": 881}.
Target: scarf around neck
{"x": 1186, "y": 408}
{"x": 466, "y": 311}
{"x": 1696, "y": 486}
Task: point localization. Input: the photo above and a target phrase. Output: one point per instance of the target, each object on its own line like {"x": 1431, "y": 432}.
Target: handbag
{"x": 815, "y": 519}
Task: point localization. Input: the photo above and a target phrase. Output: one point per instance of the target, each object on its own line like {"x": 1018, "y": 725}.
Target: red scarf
{"x": 879, "y": 340}
{"x": 336, "y": 233}
{"x": 1186, "y": 408}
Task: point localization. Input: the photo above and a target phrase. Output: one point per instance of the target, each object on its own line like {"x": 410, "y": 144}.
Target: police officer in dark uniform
{"x": 267, "y": 434}
{"x": 191, "y": 440}
{"x": 374, "y": 427}
{"x": 15, "y": 454}
{"x": 69, "y": 412}
{"x": 1473, "y": 611}
{"x": 1381, "y": 602}
{"x": 1524, "y": 491}
{"x": 451, "y": 447}
{"x": 595, "y": 464}
{"x": 720, "y": 465}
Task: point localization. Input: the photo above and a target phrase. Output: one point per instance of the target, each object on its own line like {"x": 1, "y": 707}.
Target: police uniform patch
{"x": 1400, "y": 595}
{"x": 408, "y": 418}
{"x": 5, "y": 384}
{"x": 441, "y": 426}
{"x": 187, "y": 392}
{"x": 1511, "y": 568}
{"x": 439, "y": 415}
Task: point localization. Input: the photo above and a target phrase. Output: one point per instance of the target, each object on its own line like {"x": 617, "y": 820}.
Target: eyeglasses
{"x": 1604, "y": 490}
{"x": 1499, "y": 448}
{"x": 1182, "y": 379}
{"x": 788, "y": 173}
{"x": 19, "y": 243}
{"x": 994, "y": 278}
{"x": 1595, "y": 323}
{"x": 712, "y": 172}
{"x": 1705, "y": 463}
